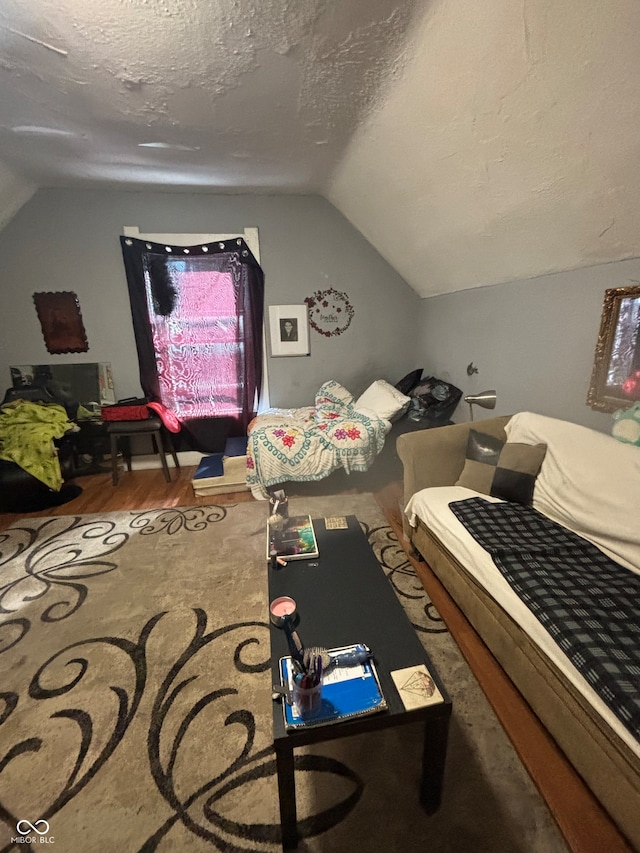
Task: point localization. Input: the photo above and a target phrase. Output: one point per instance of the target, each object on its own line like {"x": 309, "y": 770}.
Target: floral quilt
{"x": 309, "y": 443}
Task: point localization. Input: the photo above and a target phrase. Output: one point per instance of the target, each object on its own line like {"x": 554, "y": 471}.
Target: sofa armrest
{"x": 436, "y": 457}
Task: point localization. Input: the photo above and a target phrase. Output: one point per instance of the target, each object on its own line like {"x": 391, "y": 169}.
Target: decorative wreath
{"x": 330, "y": 312}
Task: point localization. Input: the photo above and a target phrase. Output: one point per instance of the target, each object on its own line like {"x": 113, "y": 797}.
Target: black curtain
{"x": 233, "y": 256}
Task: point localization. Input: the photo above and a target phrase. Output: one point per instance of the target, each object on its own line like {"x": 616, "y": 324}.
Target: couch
{"x": 587, "y": 483}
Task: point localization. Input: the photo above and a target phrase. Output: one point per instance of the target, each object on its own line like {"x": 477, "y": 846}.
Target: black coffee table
{"x": 345, "y": 599}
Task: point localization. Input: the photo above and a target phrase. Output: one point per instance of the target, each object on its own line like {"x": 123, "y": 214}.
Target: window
{"x": 199, "y": 346}
{"x": 197, "y": 314}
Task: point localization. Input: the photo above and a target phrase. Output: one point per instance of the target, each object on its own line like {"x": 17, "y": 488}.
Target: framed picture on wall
{"x": 289, "y": 330}
{"x": 61, "y": 322}
{"x": 615, "y": 376}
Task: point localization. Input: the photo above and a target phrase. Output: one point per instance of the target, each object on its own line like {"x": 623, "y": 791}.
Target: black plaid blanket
{"x": 588, "y": 603}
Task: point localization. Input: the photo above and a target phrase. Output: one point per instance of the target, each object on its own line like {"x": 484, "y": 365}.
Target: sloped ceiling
{"x": 14, "y": 192}
{"x": 507, "y": 149}
{"x": 471, "y": 143}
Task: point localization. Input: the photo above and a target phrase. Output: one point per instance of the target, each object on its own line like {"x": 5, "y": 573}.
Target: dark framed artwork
{"x": 61, "y": 321}
{"x": 615, "y": 377}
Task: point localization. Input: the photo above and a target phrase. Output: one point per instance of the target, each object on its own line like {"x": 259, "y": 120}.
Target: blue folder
{"x": 210, "y": 466}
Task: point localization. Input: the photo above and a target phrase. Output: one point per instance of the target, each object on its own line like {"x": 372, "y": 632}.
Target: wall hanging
{"x": 61, "y": 321}
{"x": 615, "y": 377}
{"x": 330, "y": 312}
{"x": 289, "y": 330}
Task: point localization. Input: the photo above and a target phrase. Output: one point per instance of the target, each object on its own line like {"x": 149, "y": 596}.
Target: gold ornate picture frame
{"x": 617, "y": 354}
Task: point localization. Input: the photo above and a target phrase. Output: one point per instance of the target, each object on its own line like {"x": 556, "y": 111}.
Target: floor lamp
{"x": 486, "y": 399}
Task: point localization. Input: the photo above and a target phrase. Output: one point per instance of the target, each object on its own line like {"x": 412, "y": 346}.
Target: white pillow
{"x": 385, "y": 400}
{"x": 589, "y": 482}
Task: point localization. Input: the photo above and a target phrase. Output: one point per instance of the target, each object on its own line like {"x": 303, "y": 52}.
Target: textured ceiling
{"x": 471, "y": 143}
{"x": 256, "y": 94}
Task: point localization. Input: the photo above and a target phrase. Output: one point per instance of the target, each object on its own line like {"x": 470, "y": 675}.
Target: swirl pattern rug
{"x": 135, "y": 701}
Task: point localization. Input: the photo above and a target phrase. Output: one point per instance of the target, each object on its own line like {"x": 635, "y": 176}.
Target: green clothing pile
{"x": 27, "y": 431}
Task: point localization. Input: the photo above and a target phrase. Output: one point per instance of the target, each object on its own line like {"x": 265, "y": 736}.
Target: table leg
{"x": 287, "y": 796}
{"x": 434, "y": 755}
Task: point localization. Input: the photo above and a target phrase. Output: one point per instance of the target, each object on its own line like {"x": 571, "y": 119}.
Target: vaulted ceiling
{"x": 471, "y": 143}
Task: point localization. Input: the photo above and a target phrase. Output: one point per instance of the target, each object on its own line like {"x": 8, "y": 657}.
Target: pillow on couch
{"x": 506, "y": 470}
{"x": 383, "y": 399}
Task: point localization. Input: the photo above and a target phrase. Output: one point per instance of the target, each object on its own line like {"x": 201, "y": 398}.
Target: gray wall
{"x": 68, "y": 240}
{"x": 533, "y": 341}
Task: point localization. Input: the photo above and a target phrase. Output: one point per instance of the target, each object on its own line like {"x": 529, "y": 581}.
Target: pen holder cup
{"x": 307, "y": 699}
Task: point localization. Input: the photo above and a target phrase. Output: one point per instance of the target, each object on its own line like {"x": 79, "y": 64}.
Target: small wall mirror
{"x": 617, "y": 354}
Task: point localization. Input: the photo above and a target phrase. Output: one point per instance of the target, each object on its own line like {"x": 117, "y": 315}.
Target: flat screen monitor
{"x": 86, "y": 383}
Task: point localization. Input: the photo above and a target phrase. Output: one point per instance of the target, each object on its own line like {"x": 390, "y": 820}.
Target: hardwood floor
{"x": 145, "y": 489}
{"x": 135, "y": 490}
{"x": 584, "y": 824}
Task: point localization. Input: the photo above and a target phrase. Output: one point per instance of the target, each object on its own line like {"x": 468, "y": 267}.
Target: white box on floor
{"x": 234, "y": 479}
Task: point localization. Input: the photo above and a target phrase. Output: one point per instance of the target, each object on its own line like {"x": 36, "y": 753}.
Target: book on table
{"x": 347, "y": 692}
{"x": 292, "y": 538}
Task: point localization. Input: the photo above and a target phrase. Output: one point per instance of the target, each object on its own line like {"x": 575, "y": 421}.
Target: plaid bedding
{"x": 588, "y": 603}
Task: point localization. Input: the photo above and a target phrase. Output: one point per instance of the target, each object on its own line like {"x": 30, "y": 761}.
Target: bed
{"x": 309, "y": 443}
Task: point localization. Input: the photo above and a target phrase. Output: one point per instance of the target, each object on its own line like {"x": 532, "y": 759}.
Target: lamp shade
{"x": 486, "y": 399}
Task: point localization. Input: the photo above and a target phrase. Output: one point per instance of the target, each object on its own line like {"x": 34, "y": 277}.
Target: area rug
{"x": 135, "y": 701}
